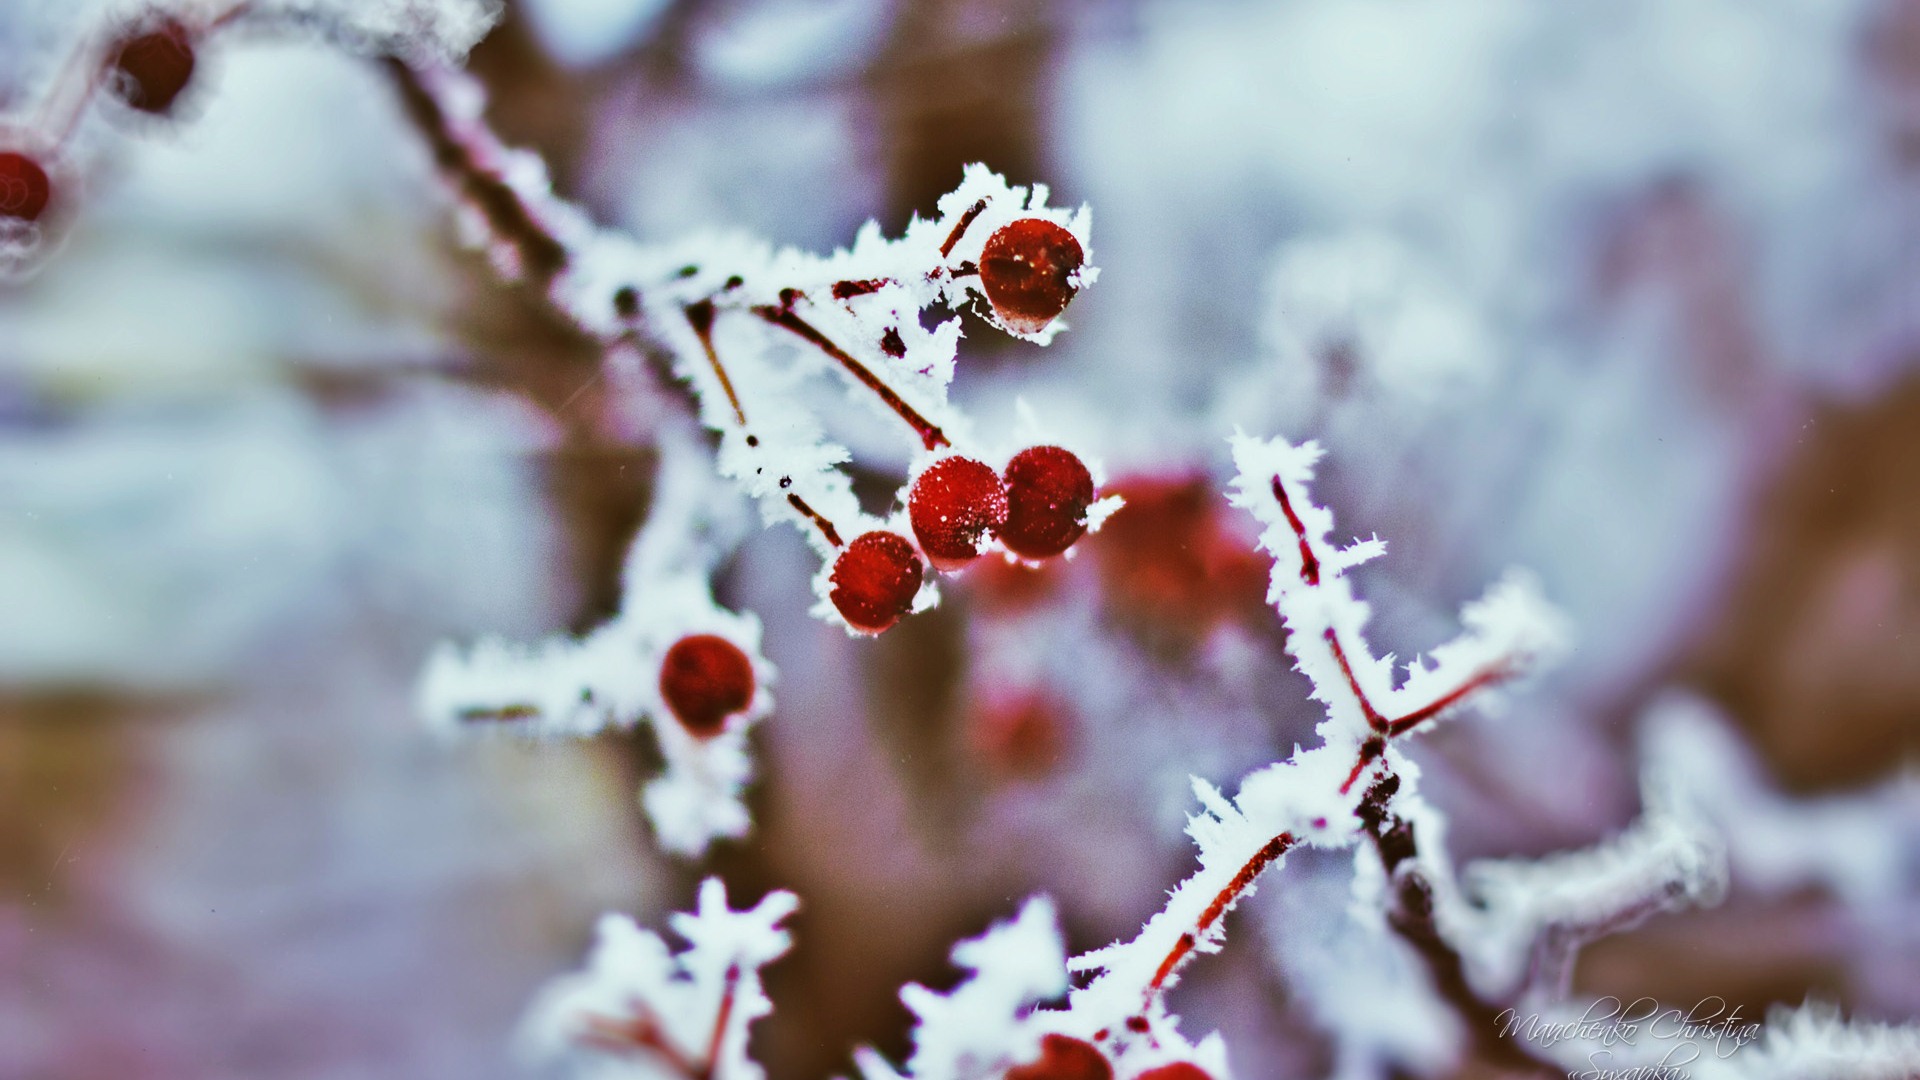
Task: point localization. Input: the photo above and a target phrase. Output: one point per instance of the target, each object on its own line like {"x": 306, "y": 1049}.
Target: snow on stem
{"x": 640, "y": 1009}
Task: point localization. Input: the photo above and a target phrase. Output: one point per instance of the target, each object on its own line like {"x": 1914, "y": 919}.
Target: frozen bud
{"x": 1028, "y": 269}
{"x": 874, "y": 581}
{"x": 704, "y": 679}
{"x": 1048, "y": 492}
{"x": 1064, "y": 1058}
{"x": 24, "y": 187}
{"x": 150, "y": 68}
{"x": 952, "y": 505}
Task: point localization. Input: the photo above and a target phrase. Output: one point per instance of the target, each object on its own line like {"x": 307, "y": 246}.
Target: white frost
{"x": 640, "y": 1010}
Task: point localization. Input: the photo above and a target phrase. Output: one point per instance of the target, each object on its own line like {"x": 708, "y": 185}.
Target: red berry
{"x": 951, "y": 506}
{"x": 1027, "y": 270}
{"x": 1063, "y": 1057}
{"x": 151, "y": 69}
{"x": 24, "y": 187}
{"x": 1170, "y": 560}
{"x": 705, "y": 678}
{"x": 1179, "y": 1070}
{"x": 874, "y": 580}
{"x": 1023, "y": 735}
{"x": 1048, "y": 492}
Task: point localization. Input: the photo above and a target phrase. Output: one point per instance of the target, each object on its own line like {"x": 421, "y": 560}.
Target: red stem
{"x": 1374, "y": 719}
{"x": 960, "y": 229}
{"x": 1309, "y": 562}
{"x": 720, "y": 1023}
{"x": 641, "y": 1031}
{"x": 826, "y": 527}
{"x": 930, "y": 435}
{"x": 1485, "y": 677}
{"x": 1182, "y": 949}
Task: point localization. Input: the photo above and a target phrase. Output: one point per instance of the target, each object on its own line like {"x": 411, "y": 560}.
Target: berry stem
{"x": 700, "y": 317}
{"x": 960, "y": 227}
{"x": 930, "y": 435}
{"x": 826, "y": 527}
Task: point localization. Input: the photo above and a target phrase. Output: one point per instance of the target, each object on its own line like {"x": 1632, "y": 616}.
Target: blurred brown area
{"x": 1817, "y": 652}
{"x": 71, "y": 768}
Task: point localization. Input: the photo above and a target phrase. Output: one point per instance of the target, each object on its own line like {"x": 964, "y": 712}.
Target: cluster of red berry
{"x": 1063, "y": 1057}
{"x": 1036, "y": 508}
{"x": 146, "y": 67}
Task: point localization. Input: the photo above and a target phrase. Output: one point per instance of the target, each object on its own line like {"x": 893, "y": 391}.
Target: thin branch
{"x": 1225, "y": 899}
{"x": 930, "y": 435}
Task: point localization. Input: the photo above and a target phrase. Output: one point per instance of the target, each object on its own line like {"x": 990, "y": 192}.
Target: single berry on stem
{"x": 1027, "y": 269}
{"x": 874, "y": 581}
{"x": 1048, "y": 492}
{"x": 952, "y": 505}
{"x": 705, "y": 678}
{"x": 151, "y": 68}
{"x": 24, "y": 187}
{"x": 1063, "y": 1057}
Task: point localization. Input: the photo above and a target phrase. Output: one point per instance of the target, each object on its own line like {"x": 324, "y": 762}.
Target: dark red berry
{"x": 705, "y": 678}
{"x": 1169, "y": 559}
{"x": 1179, "y": 1070}
{"x": 150, "y": 69}
{"x": 1063, "y": 1057}
{"x": 874, "y": 580}
{"x": 24, "y": 187}
{"x": 1027, "y": 269}
{"x": 952, "y": 505}
{"x": 1048, "y": 492}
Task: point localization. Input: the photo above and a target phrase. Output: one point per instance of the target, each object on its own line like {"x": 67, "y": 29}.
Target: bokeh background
{"x": 1627, "y": 291}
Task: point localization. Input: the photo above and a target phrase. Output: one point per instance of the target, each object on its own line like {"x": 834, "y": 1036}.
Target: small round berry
{"x": 705, "y": 678}
{"x": 951, "y": 506}
{"x": 151, "y": 68}
{"x": 1027, "y": 270}
{"x": 1048, "y": 492}
{"x": 1179, "y": 1070}
{"x": 24, "y": 187}
{"x": 874, "y": 581}
{"x": 1063, "y": 1057}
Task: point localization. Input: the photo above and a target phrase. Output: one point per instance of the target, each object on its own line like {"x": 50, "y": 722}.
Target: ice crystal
{"x": 640, "y": 1010}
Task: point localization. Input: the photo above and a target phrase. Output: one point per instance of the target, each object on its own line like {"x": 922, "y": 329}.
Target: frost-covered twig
{"x": 987, "y": 1020}
{"x": 1119, "y": 1018}
{"x": 723, "y": 307}
{"x": 640, "y": 1011}
{"x": 146, "y": 59}
{"x": 672, "y": 656}
{"x": 738, "y": 322}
